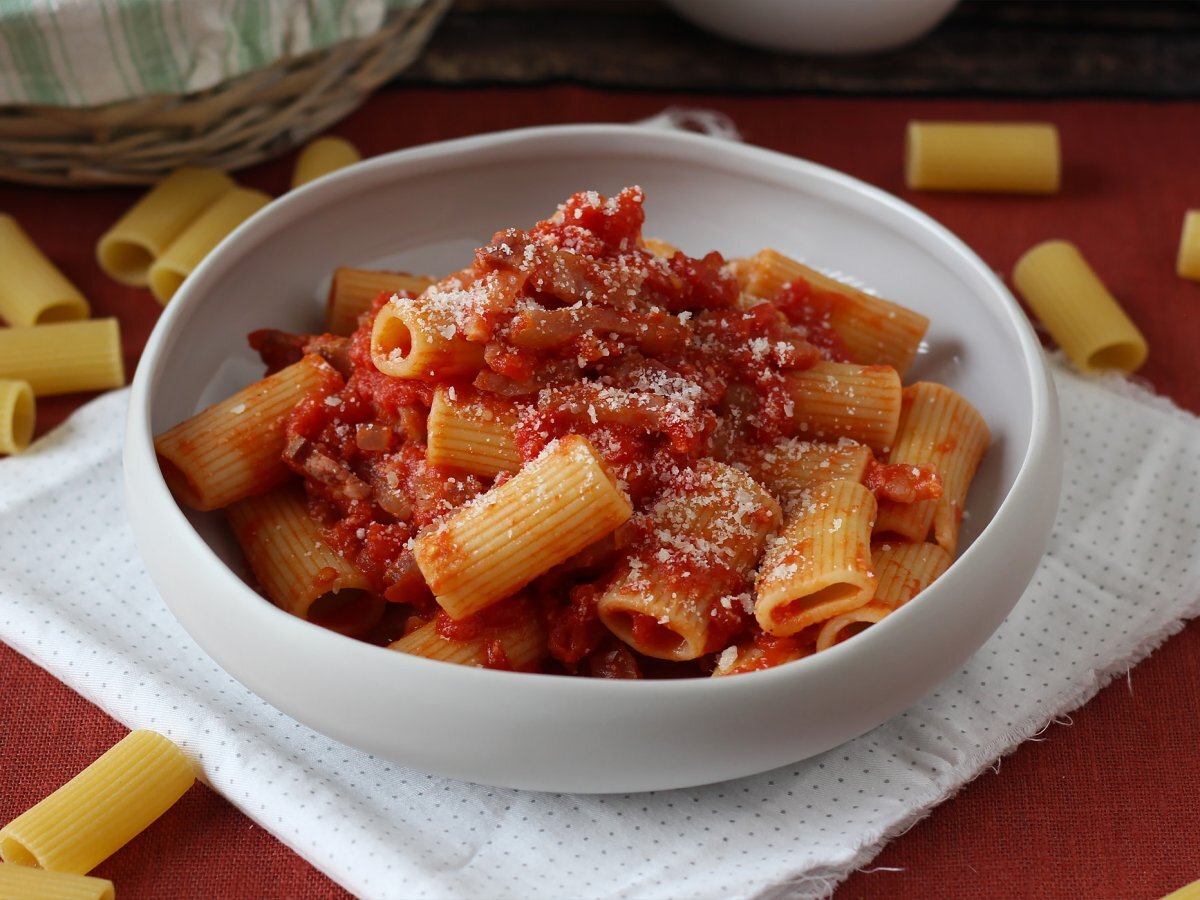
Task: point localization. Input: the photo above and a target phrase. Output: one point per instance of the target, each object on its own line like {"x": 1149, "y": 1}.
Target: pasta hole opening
{"x": 126, "y": 261}
{"x": 351, "y": 612}
{"x": 14, "y": 852}
{"x": 835, "y": 593}
{"x": 1125, "y": 356}
{"x": 648, "y": 635}
{"x": 393, "y": 339}
{"x": 23, "y": 417}
{"x": 70, "y": 310}
{"x": 164, "y": 282}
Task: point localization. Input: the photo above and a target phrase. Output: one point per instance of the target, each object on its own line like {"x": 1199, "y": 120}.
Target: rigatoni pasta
{"x": 33, "y": 291}
{"x": 1004, "y": 157}
{"x": 1187, "y": 264}
{"x": 30, "y": 883}
{"x": 1077, "y": 309}
{"x": 17, "y": 415}
{"x": 64, "y": 357}
{"x": 590, "y": 454}
{"x": 322, "y": 156}
{"x": 102, "y": 808}
{"x": 179, "y": 258}
{"x": 128, "y": 249}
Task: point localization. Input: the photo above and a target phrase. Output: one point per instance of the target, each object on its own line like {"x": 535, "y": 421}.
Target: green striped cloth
{"x": 92, "y": 52}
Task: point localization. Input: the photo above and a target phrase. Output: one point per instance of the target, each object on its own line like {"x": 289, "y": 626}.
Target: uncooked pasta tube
{"x": 16, "y": 415}
{"x": 322, "y": 156}
{"x": 128, "y": 249}
{"x": 1077, "y": 309}
{"x": 199, "y": 238}
{"x": 64, "y": 357}
{"x": 1188, "y": 265}
{"x": 32, "y": 290}
{"x": 102, "y": 808}
{"x": 1009, "y": 157}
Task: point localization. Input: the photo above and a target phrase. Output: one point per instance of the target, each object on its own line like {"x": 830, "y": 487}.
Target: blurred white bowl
{"x": 826, "y": 27}
{"x": 425, "y": 209}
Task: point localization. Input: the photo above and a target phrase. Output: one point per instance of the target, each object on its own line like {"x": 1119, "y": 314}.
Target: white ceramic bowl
{"x": 820, "y": 27}
{"x": 425, "y": 209}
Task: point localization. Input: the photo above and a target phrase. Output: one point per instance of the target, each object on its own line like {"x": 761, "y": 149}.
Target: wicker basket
{"x": 240, "y": 122}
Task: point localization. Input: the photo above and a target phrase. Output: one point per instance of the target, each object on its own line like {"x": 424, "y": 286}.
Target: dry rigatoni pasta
{"x": 1077, "y": 309}
{"x": 322, "y": 156}
{"x": 32, "y": 290}
{"x": 295, "y": 565}
{"x": 17, "y": 415}
{"x": 102, "y": 808}
{"x": 845, "y": 400}
{"x": 233, "y": 449}
{"x": 1187, "y": 263}
{"x": 181, "y": 257}
{"x": 19, "y": 882}
{"x": 819, "y": 566}
{"x": 472, "y": 431}
{"x": 352, "y": 291}
{"x": 939, "y": 428}
{"x": 874, "y": 331}
{"x": 128, "y": 249}
{"x": 549, "y": 511}
{"x": 1004, "y": 157}
{"x": 64, "y": 357}
{"x": 698, "y": 546}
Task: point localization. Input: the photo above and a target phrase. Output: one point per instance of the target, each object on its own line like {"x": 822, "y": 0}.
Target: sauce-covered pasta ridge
{"x": 589, "y": 453}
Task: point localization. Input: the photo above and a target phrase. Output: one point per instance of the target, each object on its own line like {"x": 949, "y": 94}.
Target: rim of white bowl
{"x": 843, "y": 189}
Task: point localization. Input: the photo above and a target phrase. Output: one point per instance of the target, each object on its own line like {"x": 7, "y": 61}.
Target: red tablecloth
{"x": 1104, "y": 806}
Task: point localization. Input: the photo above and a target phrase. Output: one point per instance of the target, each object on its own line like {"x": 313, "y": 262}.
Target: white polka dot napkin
{"x": 1120, "y": 576}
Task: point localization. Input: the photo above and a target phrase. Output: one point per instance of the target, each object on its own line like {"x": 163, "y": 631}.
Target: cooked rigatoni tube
{"x": 496, "y": 544}
{"x": 738, "y": 658}
{"x": 471, "y": 431}
{"x": 938, "y": 427}
{"x": 322, "y": 156}
{"x": 1077, "y": 309}
{"x": 102, "y": 808}
{"x": 874, "y": 331}
{"x": 17, "y": 415}
{"x": 33, "y": 291}
{"x": 903, "y": 570}
{"x": 64, "y": 357}
{"x": 128, "y": 249}
{"x": 198, "y": 239}
{"x": 1003, "y": 157}
{"x": 30, "y": 883}
{"x": 711, "y": 527}
{"x": 296, "y": 566}
{"x": 661, "y": 249}
{"x": 522, "y": 638}
{"x": 841, "y": 627}
{"x": 232, "y": 449}
{"x": 352, "y": 292}
{"x": 423, "y": 338}
{"x": 1188, "y": 263}
{"x": 844, "y": 400}
{"x": 820, "y": 564}
{"x": 790, "y": 468}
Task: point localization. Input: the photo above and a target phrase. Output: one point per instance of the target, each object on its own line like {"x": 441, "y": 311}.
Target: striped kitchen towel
{"x": 86, "y": 53}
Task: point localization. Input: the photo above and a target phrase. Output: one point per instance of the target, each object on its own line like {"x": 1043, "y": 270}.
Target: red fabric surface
{"x": 1104, "y": 807}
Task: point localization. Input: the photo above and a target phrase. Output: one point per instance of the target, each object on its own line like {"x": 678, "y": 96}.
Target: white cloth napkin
{"x": 1121, "y": 574}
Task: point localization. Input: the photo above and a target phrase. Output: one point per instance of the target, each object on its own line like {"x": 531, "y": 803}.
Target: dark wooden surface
{"x": 1035, "y": 48}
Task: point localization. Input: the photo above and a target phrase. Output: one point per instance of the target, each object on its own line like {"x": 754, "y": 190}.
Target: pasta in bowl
{"x": 586, "y": 453}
